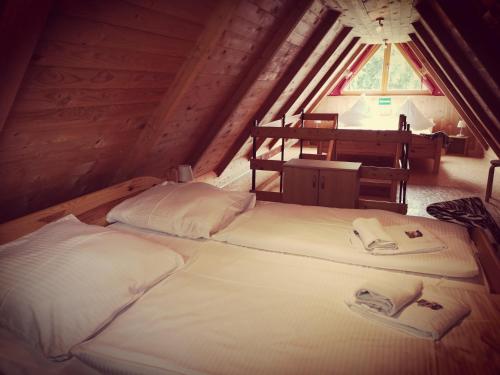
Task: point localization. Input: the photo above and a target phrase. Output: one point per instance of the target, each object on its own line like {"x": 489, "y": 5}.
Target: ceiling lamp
{"x": 380, "y": 25}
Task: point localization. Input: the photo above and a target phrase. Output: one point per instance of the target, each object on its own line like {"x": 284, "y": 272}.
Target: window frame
{"x": 385, "y": 76}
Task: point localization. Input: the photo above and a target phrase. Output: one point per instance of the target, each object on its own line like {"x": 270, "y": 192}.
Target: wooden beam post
{"x": 21, "y": 23}
{"x": 447, "y": 87}
{"x": 318, "y": 35}
{"x": 279, "y": 35}
{"x": 487, "y": 128}
{"x": 219, "y": 19}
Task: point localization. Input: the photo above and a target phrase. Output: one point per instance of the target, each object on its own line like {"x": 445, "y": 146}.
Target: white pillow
{"x": 192, "y": 210}
{"x": 358, "y": 114}
{"x": 414, "y": 117}
{"x": 62, "y": 283}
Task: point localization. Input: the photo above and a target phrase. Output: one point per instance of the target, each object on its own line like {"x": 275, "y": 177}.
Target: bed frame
{"x": 92, "y": 209}
{"x": 396, "y": 173}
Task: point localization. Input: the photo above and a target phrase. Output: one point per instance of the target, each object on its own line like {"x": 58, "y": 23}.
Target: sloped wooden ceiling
{"x": 99, "y": 91}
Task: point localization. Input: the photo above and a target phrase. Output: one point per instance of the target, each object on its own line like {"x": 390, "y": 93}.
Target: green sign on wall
{"x": 384, "y": 101}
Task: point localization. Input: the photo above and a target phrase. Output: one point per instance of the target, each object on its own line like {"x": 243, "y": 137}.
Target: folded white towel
{"x": 388, "y": 297}
{"x": 430, "y": 317}
{"x": 372, "y": 234}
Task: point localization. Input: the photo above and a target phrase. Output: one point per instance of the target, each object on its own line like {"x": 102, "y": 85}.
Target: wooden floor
{"x": 459, "y": 177}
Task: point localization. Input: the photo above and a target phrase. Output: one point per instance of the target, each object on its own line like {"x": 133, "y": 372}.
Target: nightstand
{"x": 457, "y": 145}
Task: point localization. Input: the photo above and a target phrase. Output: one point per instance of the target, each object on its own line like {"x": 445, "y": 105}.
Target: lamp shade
{"x": 185, "y": 173}
{"x": 461, "y": 124}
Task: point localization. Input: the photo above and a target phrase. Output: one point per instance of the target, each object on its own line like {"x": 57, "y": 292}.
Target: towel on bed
{"x": 372, "y": 234}
{"x": 429, "y": 317}
{"x": 388, "y": 297}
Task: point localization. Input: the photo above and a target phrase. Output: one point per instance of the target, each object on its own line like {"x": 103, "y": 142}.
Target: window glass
{"x": 370, "y": 76}
{"x": 401, "y": 74}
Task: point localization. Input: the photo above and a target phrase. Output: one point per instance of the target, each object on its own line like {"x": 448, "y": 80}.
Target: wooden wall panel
{"x": 215, "y": 84}
{"x": 98, "y": 72}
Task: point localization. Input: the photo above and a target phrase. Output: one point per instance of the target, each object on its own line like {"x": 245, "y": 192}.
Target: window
{"x": 399, "y": 75}
{"x": 370, "y": 75}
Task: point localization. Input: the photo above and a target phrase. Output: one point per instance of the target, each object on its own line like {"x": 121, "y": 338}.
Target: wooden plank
{"x": 400, "y": 208}
{"x": 269, "y": 196}
{"x": 266, "y": 165}
{"x": 313, "y": 157}
{"x": 82, "y": 207}
{"x": 488, "y": 257}
{"x": 260, "y": 61}
{"x": 291, "y": 73}
{"x": 48, "y": 77}
{"x": 69, "y": 29}
{"x": 461, "y": 104}
{"x": 120, "y": 13}
{"x": 384, "y": 173}
{"x": 21, "y": 24}
{"x": 316, "y": 116}
{"x": 32, "y": 99}
{"x": 62, "y": 54}
{"x": 217, "y": 23}
{"x": 322, "y": 134}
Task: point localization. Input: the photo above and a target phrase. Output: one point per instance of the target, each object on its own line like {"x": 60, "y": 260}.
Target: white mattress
{"x": 237, "y": 311}
{"x": 326, "y": 233}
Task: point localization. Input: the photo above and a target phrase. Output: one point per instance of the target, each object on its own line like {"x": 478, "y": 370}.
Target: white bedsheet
{"x": 237, "y": 311}
{"x": 18, "y": 358}
{"x": 326, "y": 233}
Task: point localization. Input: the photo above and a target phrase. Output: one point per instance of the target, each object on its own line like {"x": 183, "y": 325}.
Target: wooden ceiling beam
{"x": 447, "y": 87}
{"x": 466, "y": 21}
{"x": 326, "y": 78}
{"x": 214, "y": 29}
{"x": 311, "y": 75}
{"x": 487, "y": 128}
{"x": 21, "y": 24}
{"x": 442, "y": 38}
{"x": 327, "y": 83}
{"x": 279, "y": 35}
{"x": 324, "y": 27}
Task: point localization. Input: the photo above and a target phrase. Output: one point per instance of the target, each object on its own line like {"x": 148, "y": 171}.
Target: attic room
{"x": 249, "y": 186}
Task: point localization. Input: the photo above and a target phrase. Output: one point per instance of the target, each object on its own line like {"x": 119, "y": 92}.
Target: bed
{"x": 233, "y": 309}
{"x": 362, "y": 116}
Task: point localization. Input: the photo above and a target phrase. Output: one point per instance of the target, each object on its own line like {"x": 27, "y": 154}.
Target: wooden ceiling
{"x": 98, "y": 91}
{"x": 363, "y": 14}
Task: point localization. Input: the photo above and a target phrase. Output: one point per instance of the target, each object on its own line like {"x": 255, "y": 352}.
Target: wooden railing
{"x": 282, "y": 129}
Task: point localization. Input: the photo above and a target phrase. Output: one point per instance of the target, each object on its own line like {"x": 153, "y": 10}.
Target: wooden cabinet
{"x": 458, "y": 145}
{"x": 321, "y": 183}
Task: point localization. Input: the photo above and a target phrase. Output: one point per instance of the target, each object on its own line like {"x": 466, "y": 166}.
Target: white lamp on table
{"x": 461, "y": 125}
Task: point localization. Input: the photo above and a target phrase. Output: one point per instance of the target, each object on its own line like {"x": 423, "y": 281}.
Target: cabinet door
{"x": 300, "y": 186}
{"x": 338, "y": 189}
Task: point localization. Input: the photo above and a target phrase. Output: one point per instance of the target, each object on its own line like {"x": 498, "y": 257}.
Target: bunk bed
{"x": 335, "y": 142}
{"x": 233, "y": 309}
